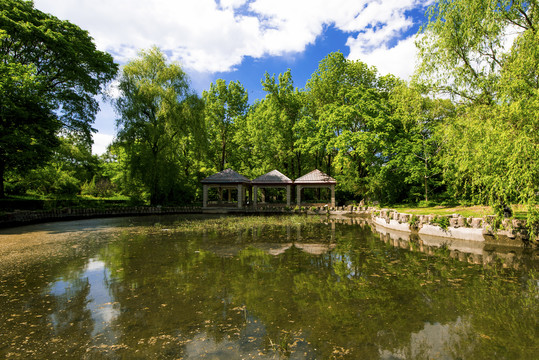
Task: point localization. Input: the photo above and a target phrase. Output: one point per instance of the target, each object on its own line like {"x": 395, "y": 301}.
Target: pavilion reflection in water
{"x": 294, "y": 240}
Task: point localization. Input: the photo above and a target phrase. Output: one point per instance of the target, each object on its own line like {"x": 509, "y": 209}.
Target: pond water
{"x": 307, "y": 289}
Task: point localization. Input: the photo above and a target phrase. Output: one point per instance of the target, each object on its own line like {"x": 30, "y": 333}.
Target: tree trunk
{"x": 298, "y": 154}
{"x": 2, "y": 168}
{"x": 426, "y": 190}
{"x": 154, "y": 196}
{"x": 426, "y": 179}
{"x": 223, "y": 153}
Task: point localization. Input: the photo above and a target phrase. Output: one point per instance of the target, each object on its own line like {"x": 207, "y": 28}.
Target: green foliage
{"x": 50, "y": 72}
{"x": 441, "y": 221}
{"x": 414, "y": 220}
{"x": 415, "y": 150}
{"x": 99, "y": 188}
{"x": 490, "y": 152}
{"x": 268, "y": 133}
{"x": 348, "y": 125}
{"x": 160, "y": 126}
{"x": 225, "y": 105}
{"x": 53, "y": 180}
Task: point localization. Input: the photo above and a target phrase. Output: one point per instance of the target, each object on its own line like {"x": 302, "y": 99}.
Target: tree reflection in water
{"x": 322, "y": 290}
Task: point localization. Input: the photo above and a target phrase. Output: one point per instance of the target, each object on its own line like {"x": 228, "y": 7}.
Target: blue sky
{"x": 242, "y": 39}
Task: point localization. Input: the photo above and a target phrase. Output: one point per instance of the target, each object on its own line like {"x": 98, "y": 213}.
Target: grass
{"x": 519, "y": 211}
{"x": 64, "y": 197}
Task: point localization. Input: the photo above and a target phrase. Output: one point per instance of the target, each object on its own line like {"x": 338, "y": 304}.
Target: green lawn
{"x": 519, "y": 211}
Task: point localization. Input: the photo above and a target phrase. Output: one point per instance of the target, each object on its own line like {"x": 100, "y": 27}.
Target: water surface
{"x": 131, "y": 288}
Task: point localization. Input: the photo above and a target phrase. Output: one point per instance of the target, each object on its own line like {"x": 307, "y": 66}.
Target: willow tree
{"x": 485, "y": 54}
{"x": 160, "y": 118}
{"x": 50, "y": 73}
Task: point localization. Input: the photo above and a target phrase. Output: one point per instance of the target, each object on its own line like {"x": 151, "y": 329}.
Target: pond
{"x": 263, "y": 288}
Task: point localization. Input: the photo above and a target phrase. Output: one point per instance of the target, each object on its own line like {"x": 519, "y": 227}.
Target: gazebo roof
{"x": 272, "y": 178}
{"x": 315, "y": 177}
{"x": 227, "y": 176}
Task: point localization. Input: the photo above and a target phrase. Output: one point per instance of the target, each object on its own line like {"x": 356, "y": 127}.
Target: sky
{"x": 241, "y": 40}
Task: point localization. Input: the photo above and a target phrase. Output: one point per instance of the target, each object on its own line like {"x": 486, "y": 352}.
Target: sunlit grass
{"x": 519, "y": 211}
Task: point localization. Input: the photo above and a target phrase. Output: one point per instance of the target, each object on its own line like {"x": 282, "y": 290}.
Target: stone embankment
{"x": 30, "y": 217}
{"x": 452, "y": 226}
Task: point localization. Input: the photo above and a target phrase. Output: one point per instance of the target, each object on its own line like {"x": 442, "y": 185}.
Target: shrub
{"x": 441, "y": 221}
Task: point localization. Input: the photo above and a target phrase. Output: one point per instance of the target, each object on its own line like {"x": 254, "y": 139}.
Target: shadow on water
{"x": 320, "y": 289}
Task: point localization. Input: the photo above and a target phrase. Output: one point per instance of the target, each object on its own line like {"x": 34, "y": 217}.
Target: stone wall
{"x": 450, "y": 226}
{"x": 29, "y": 217}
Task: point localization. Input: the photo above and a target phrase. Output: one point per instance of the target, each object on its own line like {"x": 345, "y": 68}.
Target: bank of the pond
{"x": 18, "y": 218}
{"x": 452, "y": 226}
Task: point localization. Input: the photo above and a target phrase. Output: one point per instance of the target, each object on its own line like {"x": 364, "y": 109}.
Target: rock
{"x": 476, "y": 223}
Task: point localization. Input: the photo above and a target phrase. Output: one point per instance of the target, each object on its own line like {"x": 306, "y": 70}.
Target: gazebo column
{"x": 298, "y": 195}
{"x": 263, "y": 195}
{"x": 332, "y": 196}
{"x": 220, "y": 200}
{"x": 205, "y": 196}
{"x": 240, "y": 196}
{"x": 255, "y": 195}
{"x": 229, "y": 191}
{"x": 288, "y": 191}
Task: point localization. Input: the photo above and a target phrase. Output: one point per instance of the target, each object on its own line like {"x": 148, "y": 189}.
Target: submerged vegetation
{"x": 239, "y": 223}
{"x": 129, "y": 289}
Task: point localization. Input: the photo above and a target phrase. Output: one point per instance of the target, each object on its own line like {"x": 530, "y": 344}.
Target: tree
{"x": 28, "y": 127}
{"x": 348, "y": 103}
{"x": 491, "y": 150}
{"x": 224, "y": 104}
{"x": 160, "y": 117}
{"x": 270, "y": 127}
{"x": 286, "y": 104}
{"x": 50, "y": 74}
{"x": 415, "y": 151}
{"x": 70, "y": 165}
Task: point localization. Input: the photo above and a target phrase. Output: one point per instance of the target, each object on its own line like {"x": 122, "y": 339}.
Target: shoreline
{"x": 469, "y": 229}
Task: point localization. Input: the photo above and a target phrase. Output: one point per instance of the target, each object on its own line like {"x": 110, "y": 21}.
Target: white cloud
{"x": 215, "y": 35}
{"x": 101, "y": 142}
{"x": 399, "y": 60}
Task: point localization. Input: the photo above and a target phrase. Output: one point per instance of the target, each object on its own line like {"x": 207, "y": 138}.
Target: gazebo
{"x": 273, "y": 179}
{"x": 226, "y": 179}
{"x": 315, "y": 179}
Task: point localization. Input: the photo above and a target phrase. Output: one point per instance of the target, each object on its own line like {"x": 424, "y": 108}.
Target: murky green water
{"x": 119, "y": 289}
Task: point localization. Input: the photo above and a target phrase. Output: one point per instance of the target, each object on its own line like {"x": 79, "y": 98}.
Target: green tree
{"x": 224, "y": 105}
{"x": 285, "y": 103}
{"x": 28, "y": 126}
{"x": 491, "y": 149}
{"x": 463, "y": 45}
{"x": 50, "y": 74}
{"x": 269, "y": 128}
{"x": 415, "y": 151}
{"x": 160, "y": 117}
{"x": 349, "y": 110}
{"x": 70, "y": 165}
